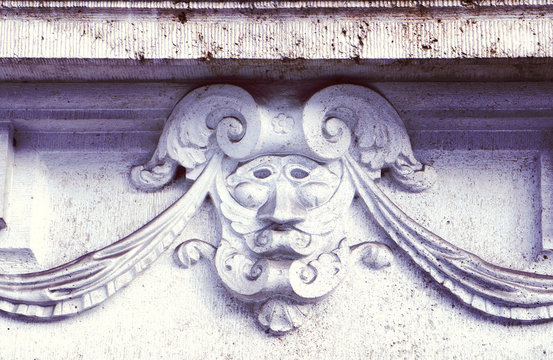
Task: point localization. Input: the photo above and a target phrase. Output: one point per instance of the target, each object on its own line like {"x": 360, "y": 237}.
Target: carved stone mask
{"x": 281, "y": 245}
{"x": 285, "y": 191}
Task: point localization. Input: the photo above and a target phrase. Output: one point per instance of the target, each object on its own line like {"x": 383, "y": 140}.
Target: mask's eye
{"x": 298, "y": 173}
{"x": 262, "y": 173}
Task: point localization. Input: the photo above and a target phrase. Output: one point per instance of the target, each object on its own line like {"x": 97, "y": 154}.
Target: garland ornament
{"x": 281, "y": 179}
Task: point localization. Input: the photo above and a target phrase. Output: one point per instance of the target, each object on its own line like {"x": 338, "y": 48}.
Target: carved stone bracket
{"x": 281, "y": 174}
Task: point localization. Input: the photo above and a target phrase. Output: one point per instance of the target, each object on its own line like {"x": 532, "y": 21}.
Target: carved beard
{"x": 282, "y": 242}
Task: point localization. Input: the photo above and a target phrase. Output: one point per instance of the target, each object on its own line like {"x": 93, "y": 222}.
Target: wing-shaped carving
{"x": 226, "y": 110}
{"x": 89, "y": 280}
{"x": 378, "y": 137}
{"x": 487, "y": 287}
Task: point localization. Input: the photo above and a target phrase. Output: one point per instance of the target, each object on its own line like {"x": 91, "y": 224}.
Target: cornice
{"x": 171, "y": 40}
{"x": 101, "y": 30}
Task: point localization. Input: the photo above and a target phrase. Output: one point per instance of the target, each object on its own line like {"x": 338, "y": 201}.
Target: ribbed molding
{"x": 85, "y": 32}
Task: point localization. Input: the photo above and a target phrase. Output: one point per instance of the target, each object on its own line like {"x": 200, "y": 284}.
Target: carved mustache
{"x": 281, "y": 241}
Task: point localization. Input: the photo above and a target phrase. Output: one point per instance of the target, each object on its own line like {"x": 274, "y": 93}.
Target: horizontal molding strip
{"x": 251, "y": 36}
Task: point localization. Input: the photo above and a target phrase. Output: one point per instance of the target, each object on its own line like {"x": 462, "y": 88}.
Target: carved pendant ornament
{"x": 281, "y": 176}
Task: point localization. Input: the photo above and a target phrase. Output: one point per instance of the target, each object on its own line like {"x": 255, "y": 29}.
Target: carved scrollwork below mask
{"x": 281, "y": 182}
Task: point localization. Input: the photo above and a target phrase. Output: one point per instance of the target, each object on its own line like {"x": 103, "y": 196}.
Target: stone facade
{"x": 353, "y": 167}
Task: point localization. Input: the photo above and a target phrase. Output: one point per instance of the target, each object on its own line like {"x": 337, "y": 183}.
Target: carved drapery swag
{"x": 281, "y": 176}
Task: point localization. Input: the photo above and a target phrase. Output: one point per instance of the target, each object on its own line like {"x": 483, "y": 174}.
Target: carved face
{"x": 286, "y": 193}
{"x": 283, "y": 188}
{"x": 284, "y": 240}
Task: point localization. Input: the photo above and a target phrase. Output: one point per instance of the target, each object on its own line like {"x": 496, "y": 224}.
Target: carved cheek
{"x": 250, "y": 194}
{"x": 314, "y": 194}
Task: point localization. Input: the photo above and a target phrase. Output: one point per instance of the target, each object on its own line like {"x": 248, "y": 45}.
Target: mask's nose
{"x": 282, "y": 206}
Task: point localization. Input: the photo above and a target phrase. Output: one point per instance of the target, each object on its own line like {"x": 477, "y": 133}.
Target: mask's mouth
{"x": 281, "y": 227}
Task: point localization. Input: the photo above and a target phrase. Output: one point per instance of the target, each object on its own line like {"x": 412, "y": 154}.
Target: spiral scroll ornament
{"x": 226, "y": 110}
{"x": 353, "y": 119}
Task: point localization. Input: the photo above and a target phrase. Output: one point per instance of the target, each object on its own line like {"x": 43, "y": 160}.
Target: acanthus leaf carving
{"x": 281, "y": 188}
